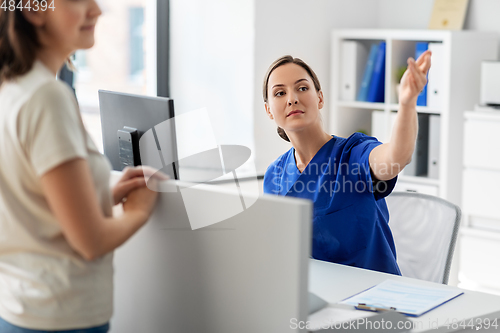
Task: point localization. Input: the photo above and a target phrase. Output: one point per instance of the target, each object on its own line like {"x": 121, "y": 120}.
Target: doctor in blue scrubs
{"x": 346, "y": 178}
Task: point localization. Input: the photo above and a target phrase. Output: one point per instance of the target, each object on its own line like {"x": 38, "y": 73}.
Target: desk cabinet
{"x": 480, "y": 234}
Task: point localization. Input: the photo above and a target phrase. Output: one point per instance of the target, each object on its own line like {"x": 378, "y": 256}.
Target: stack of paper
{"x": 406, "y": 298}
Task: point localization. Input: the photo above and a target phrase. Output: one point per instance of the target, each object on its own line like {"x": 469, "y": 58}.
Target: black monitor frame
{"x": 135, "y": 112}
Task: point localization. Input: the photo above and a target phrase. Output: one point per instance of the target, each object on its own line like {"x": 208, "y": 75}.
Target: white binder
{"x": 353, "y": 59}
{"x": 379, "y": 125}
{"x": 392, "y": 120}
{"x": 434, "y": 142}
{"x": 435, "y": 79}
{"x": 381, "y": 128}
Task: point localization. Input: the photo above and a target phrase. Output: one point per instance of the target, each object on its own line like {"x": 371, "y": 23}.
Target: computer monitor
{"x": 248, "y": 273}
{"x": 124, "y": 120}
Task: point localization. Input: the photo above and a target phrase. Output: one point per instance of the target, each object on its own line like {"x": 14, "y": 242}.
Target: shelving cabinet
{"x": 480, "y": 233}
{"x": 461, "y": 56}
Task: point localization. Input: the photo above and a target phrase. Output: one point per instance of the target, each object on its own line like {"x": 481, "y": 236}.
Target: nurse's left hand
{"x": 414, "y": 79}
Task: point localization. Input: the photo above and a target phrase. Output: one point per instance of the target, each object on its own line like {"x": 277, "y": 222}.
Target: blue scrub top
{"x": 350, "y": 223}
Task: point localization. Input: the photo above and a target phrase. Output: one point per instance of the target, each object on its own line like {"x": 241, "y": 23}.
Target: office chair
{"x": 425, "y": 230}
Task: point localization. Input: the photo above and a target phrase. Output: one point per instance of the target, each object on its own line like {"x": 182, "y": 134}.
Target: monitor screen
{"x": 125, "y": 118}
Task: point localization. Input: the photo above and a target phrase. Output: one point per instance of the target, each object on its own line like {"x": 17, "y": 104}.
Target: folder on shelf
{"x": 435, "y": 78}
{"x": 407, "y": 298}
{"x": 367, "y": 74}
{"x": 419, "y": 160}
{"x": 434, "y": 143}
{"x": 392, "y": 120}
{"x": 379, "y": 127}
{"x": 353, "y": 60}
{"x": 421, "y": 47}
{"x": 377, "y": 83}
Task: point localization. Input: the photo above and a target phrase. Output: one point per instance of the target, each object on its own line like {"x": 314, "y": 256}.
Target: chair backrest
{"x": 425, "y": 229}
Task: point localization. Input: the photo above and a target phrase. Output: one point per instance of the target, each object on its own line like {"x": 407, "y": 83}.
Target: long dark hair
{"x": 280, "y": 62}
{"x": 18, "y": 44}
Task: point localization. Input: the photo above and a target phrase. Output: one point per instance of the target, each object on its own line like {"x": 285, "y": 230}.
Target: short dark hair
{"x": 287, "y": 59}
{"x": 18, "y": 43}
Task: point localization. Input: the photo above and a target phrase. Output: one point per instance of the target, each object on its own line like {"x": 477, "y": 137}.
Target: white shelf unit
{"x": 463, "y": 52}
{"x": 480, "y": 233}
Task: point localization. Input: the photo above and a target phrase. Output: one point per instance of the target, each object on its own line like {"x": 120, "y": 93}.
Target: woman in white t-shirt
{"x": 57, "y": 232}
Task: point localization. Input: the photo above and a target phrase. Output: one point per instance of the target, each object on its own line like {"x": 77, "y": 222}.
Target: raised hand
{"x": 414, "y": 79}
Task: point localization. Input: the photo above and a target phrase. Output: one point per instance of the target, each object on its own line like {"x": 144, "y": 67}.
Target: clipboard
{"x": 406, "y": 298}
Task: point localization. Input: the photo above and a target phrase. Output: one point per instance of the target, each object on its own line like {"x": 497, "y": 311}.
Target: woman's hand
{"x": 414, "y": 79}
{"x": 70, "y": 193}
{"x": 133, "y": 178}
{"x": 141, "y": 201}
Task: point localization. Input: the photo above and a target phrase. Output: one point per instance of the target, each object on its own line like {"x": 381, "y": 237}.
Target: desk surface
{"x": 334, "y": 282}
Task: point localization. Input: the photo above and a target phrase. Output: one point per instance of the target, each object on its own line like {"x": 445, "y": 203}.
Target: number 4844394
{"x": 12, "y": 5}
{"x": 475, "y": 323}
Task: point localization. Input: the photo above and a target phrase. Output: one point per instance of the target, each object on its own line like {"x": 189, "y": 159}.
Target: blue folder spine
{"x": 365, "y": 83}
{"x": 377, "y": 82}
{"x": 420, "y": 48}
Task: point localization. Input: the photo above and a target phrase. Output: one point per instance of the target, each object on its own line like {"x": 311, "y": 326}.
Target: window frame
{"x": 163, "y": 48}
{"x": 162, "y": 52}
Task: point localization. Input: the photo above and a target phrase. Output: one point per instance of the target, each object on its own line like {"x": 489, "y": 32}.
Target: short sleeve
{"x": 361, "y": 146}
{"x": 268, "y": 186}
{"x": 50, "y": 128}
{"x": 272, "y": 178}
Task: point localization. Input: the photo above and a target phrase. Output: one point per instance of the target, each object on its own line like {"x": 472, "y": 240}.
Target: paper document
{"x": 406, "y": 298}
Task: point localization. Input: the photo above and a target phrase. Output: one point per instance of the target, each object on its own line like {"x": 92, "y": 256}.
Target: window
{"x": 136, "y": 44}
{"x": 122, "y": 59}
{"x": 206, "y": 47}
{"x": 212, "y": 65}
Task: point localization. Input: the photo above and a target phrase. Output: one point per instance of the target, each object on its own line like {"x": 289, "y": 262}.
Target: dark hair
{"x": 18, "y": 44}
{"x": 280, "y": 62}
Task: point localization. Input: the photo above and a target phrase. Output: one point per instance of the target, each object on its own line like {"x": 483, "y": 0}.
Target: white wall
{"x": 404, "y": 14}
{"x": 301, "y": 29}
{"x": 482, "y": 15}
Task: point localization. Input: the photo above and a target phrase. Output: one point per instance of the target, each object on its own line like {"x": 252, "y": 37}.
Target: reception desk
{"x": 334, "y": 282}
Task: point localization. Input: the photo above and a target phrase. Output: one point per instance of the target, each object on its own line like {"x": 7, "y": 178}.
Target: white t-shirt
{"x": 44, "y": 283}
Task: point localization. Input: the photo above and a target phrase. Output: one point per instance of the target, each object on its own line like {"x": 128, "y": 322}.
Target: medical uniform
{"x": 350, "y": 224}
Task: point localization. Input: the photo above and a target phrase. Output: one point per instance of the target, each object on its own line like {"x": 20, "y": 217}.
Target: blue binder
{"x": 377, "y": 82}
{"x": 365, "y": 83}
{"x": 420, "y": 48}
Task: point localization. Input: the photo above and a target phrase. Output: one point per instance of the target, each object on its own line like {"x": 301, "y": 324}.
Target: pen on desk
{"x": 364, "y": 306}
